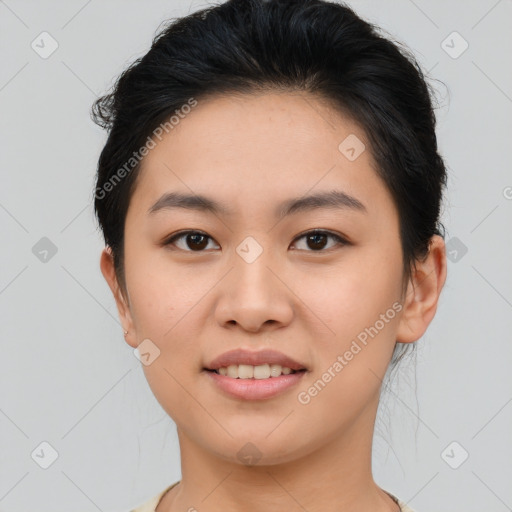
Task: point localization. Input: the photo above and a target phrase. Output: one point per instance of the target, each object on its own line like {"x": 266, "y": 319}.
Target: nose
{"x": 255, "y": 296}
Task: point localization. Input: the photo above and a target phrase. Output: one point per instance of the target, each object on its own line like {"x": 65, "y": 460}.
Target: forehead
{"x": 254, "y": 149}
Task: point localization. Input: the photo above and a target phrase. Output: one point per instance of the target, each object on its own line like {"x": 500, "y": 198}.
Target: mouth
{"x": 247, "y": 364}
{"x": 246, "y": 382}
{"x": 258, "y": 372}
{"x": 254, "y": 375}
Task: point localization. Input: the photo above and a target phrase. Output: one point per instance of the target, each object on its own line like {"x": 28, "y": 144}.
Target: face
{"x": 249, "y": 278}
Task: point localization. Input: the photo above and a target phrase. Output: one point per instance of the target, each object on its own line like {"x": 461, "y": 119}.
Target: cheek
{"x": 165, "y": 307}
{"x": 353, "y": 354}
{"x": 168, "y": 308}
{"x": 359, "y": 317}
{"x": 351, "y": 297}
{"x": 162, "y": 295}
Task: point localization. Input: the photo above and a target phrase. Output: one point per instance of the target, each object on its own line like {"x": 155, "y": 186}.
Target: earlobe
{"x": 423, "y": 291}
{"x": 108, "y": 271}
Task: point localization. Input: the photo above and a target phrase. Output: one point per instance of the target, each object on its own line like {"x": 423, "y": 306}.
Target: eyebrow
{"x": 333, "y": 199}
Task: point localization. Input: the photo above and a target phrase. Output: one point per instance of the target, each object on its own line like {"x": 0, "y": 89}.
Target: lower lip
{"x": 255, "y": 389}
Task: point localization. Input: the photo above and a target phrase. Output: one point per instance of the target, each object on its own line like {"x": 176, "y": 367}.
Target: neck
{"x": 333, "y": 477}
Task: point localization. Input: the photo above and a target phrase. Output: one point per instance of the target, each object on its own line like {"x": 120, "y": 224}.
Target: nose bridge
{"x": 251, "y": 259}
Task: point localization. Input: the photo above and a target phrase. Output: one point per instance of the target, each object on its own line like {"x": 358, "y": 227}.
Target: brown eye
{"x": 195, "y": 241}
{"x": 317, "y": 240}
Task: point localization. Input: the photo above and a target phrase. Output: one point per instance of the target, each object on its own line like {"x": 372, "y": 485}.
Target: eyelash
{"x": 182, "y": 234}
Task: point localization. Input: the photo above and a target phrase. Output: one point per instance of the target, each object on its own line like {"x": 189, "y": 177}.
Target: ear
{"x": 423, "y": 290}
{"x": 123, "y": 308}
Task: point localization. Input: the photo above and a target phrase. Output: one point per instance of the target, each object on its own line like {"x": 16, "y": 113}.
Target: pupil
{"x": 315, "y": 240}
{"x": 194, "y": 244}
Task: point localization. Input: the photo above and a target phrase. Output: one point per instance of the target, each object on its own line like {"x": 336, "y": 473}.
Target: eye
{"x": 197, "y": 240}
{"x": 317, "y": 239}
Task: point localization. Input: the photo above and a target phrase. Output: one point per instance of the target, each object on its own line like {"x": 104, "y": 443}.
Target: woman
{"x": 270, "y": 194}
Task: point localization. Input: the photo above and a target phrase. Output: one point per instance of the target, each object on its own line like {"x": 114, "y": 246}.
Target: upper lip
{"x": 242, "y": 356}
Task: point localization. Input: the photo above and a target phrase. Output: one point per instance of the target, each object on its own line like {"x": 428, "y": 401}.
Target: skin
{"x": 252, "y": 152}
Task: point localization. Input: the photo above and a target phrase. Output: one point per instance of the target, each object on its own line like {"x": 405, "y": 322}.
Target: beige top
{"x": 150, "y": 506}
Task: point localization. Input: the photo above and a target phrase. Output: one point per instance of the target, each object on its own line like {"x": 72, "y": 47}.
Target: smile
{"x": 248, "y": 371}
{"x": 254, "y": 388}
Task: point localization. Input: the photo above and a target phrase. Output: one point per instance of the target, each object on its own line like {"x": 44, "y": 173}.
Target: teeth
{"x": 247, "y": 371}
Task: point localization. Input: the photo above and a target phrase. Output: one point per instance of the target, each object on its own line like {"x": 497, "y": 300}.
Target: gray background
{"x": 68, "y": 378}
